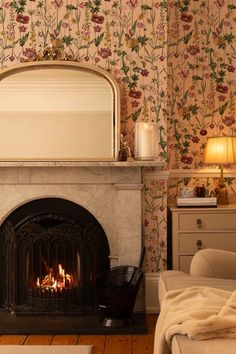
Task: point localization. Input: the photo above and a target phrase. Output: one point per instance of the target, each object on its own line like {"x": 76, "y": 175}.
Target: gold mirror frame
{"x": 70, "y": 65}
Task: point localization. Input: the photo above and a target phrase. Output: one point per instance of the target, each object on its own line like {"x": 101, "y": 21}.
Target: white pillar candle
{"x": 146, "y": 141}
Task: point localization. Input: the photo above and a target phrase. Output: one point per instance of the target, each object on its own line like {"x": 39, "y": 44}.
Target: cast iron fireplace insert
{"x": 52, "y": 251}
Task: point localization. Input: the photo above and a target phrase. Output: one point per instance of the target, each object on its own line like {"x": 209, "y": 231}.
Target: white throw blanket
{"x": 198, "y": 312}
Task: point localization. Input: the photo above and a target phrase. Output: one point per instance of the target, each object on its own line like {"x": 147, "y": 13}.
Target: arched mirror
{"x": 58, "y": 111}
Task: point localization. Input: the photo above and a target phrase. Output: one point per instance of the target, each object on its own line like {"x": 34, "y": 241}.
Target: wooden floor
{"x": 114, "y": 344}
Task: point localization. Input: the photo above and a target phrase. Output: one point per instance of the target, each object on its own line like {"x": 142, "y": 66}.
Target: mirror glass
{"x": 58, "y": 112}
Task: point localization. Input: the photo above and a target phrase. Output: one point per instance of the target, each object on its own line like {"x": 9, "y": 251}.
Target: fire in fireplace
{"x": 52, "y": 251}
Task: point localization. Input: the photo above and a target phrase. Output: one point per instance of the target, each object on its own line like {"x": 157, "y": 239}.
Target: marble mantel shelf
{"x": 133, "y": 163}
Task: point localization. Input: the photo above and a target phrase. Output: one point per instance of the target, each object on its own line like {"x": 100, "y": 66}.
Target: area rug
{"x": 45, "y": 349}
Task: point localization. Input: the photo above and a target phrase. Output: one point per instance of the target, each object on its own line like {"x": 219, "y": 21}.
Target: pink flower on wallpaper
{"x": 222, "y": 88}
{"x": 195, "y": 139}
{"x": 222, "y": 98}
{"x": 97, "y": 19}
{"x": 220, "y": 3}
{"x": 22, "y": 28}
{"x": 140, "y": 25}
{"x": 228, "y": 120}
{"x": 231, "y": 68}
{"x": 186, "y": 27}
{"x": 135, "y": 94}
{"x": 132, "y": 4}
{"x": 30, "y": 53}
{"x": 105, "y": 52}
{"x": 135, "y": 104}
{"x": 144, "y": 72}
{"x": 57, "y": 4}
{"x": 186, "y": 159}
{"x": 65, "y": 25}
{"x": 97, "y": 28}
{"x": 184, "y": 74}
{"x": 203, "y": 132}
{"x": 85, "y": 31}
{"x": 22, "y": 18}
{"x": 146, "y": 222}
{"x": 160, "y": 32}
{"x": 186, "y": 18}
{"x": 193, "y": 49}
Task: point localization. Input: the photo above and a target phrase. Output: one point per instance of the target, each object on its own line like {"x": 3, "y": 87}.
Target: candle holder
{"x": 145, "y": 141}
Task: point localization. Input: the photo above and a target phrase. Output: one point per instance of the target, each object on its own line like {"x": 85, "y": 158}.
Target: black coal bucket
{"x": 116, "y": 294}
{"x": 117, "y": 290}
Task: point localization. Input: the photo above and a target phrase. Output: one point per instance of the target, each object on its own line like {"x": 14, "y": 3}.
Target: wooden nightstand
{"x": 198, "y": 228}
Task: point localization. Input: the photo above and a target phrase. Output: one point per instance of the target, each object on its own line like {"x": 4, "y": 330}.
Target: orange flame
{"x": 56, "y": 280}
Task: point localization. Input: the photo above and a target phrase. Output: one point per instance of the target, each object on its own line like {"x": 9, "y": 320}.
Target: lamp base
{"x": 222, "y": 193}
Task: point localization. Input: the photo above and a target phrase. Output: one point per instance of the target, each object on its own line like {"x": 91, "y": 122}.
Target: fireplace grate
{"x": 50, "y": 262}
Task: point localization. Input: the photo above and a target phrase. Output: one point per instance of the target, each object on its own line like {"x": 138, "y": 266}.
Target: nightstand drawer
{"x": 206, "y": 221}
{"x": 188, "y": 243}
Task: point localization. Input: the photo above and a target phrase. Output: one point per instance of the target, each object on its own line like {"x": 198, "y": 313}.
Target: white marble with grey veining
{"x": 113, "y": 195}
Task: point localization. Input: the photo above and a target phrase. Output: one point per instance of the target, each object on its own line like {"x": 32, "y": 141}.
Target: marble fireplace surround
{"x": 111, "y": 191}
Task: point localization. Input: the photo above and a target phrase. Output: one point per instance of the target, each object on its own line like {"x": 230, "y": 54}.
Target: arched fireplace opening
{"x": 52, "y": 251}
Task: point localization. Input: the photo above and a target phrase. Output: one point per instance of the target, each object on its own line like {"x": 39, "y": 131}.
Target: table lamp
{"x": 220, "y": 151}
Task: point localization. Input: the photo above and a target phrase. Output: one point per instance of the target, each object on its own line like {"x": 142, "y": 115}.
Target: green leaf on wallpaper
{"x": 145, "y": 7}
{"x": 229, "y": 38}
{"x": 98, "y": 40}
{"x": 194, "y": 108}
{"x": 231, "y": 7}
{"x": 143, "y": 40}
{"x": 134, "y": 25}
{"x": 223, "y": 108}
{"x": 67, "y": 40}
{"x": 71, "y": 7}
{"x": 187, "y": 38}
{"x": 59, "y": 26}
{"x": 125, "y": 69}
{"x": 196, "y": 78}
{"x": 135, "y": 77}
{"x": 94, "y": 5}
{"x": 23, "y": 39}
{"x": 19, "y": 8}
{"x": 134, "y": 116}
{"x": 184, "y": 6}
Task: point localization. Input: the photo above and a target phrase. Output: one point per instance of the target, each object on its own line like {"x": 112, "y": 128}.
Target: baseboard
{"x": 151, "y": 293}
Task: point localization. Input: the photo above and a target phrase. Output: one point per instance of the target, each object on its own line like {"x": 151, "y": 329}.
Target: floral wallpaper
{"x": 128, "y": 38}
{"x": 201, "y": 77}
{"x": 155, "y": 225}
{"x": 175, "y": 63}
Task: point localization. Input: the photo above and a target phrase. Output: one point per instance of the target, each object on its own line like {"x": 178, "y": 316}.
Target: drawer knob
{"x": 199, "y": 244}
{"x": 199, "y": 223}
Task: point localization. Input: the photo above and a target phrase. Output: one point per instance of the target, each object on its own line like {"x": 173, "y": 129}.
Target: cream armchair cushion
{"x": 214, "y": 263}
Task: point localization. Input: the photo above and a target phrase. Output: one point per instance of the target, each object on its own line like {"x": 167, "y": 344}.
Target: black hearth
{"x": 52, "y": 251}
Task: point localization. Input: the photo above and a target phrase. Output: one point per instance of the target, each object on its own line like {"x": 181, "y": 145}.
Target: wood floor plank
{"x": 117, "y": 344}
{"x": 98, "y": 342}
{"x": 151, "y": 323}
{"x": 69, "y": 339}
{"x": 12, "y": 339}
{"x": 38, "y": 339}
{"x": 143, "y": 344}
